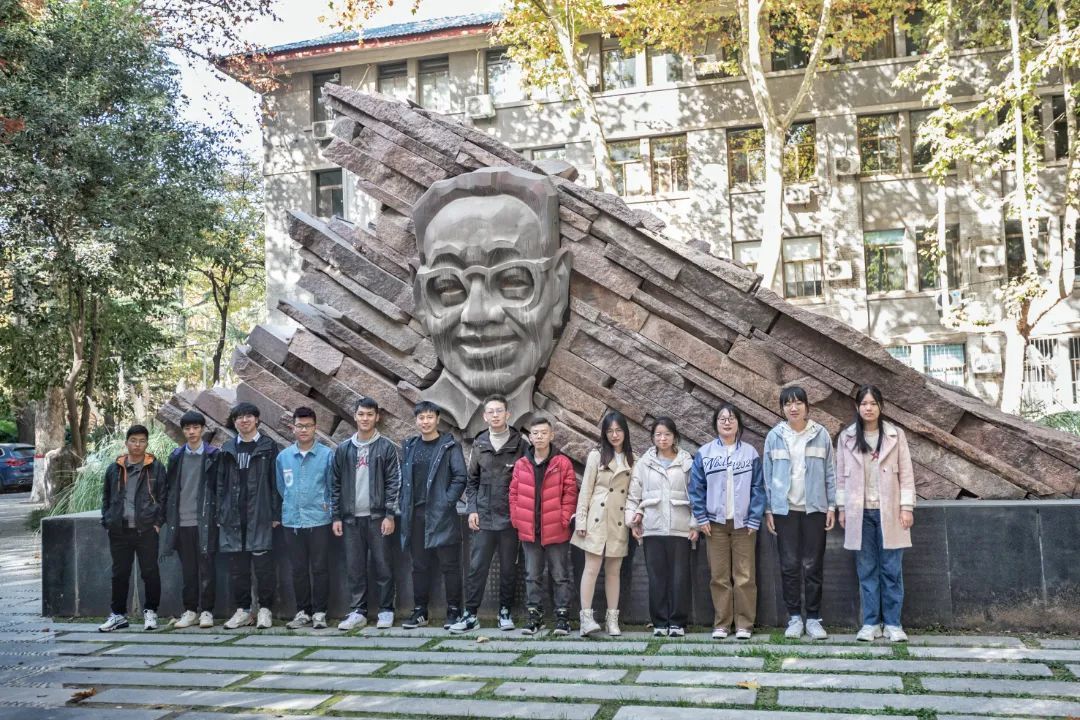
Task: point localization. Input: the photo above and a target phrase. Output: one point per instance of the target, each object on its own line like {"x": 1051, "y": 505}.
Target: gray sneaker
{"x": 815, "y": 630}
{"x": 113, "y": 622}
{"x": 794, "y": 628}
{"x": 302, "y": 619}
{"x": 318, "y": 621}
{"x": 354, "y": 621}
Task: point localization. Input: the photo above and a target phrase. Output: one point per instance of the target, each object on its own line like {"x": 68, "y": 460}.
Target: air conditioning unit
{"x": 480, "y": 107}
{"x": 845, "y": 165}
{"x": 797, "y": 195}
{"x": 592, "y": 77}
{"x": 989, "y": 256}
{"x": 832, "y": 53}
{"x": 706, "y": 66}
{"x": 838, "y": 270}
{"x": 321, "y": 130}
{"x": 986, "y": 363}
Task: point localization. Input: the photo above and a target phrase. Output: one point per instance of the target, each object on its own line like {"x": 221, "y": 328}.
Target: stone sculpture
{"x": 653, "y": 326}
{"x": 492, "y": 287}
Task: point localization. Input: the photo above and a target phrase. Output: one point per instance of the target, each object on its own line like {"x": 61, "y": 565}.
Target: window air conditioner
{"x": 988, "y": 256}
{"x": 797, "y": 195}
{"x": 706, "y": 66}
{"x": 480, "y": 107}
{"x": 845, "y": 165}
{"x": 986, "y": 363}
{"x": 321, "y": 130}
{"x": 838, "y": 270}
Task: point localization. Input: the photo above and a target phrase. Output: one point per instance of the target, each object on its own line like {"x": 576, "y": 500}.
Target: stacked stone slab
{"x": 655, "y": 327}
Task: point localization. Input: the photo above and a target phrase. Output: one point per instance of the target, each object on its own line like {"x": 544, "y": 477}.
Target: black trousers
{"x": 800, "y": 538}
{"x": 667, "y": 559}
{"x": 363, "y": 539}
{"x": 447, "y": 557}
{"x": 482, "y": 549}
{"x": 124, "y": 546}
{"x": 241, "y": 565}
{"x": 309, "y": 560}
{"x": 198, "y": 571}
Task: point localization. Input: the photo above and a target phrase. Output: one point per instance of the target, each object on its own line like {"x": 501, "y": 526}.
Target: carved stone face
{"x": 492, "y": 287}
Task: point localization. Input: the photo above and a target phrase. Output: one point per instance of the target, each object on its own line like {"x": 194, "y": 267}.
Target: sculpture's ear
{"x": 560, "y": 275}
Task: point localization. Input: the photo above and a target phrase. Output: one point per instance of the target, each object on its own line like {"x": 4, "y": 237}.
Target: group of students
{"x": 519, "y": 492}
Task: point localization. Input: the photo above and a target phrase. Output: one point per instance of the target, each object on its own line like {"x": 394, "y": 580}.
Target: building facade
{"x": 859, "y": 212}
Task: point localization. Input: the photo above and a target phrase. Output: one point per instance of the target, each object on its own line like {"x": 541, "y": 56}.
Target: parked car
{"x": 16, "y": 465}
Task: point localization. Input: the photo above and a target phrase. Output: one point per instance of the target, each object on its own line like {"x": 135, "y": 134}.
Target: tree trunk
{"x": 1069, "y": 273}
{"x": 1012, "y": 381}
{"x": 1019, "y": 161}
{"x": 49, "y": 430}
{"x": 90, "y": 381}
{"x": 77, "y": 331}
{"x": 943, "y": 250}
{"x": 223, "y": 320}
{"x": 772, "y": 215}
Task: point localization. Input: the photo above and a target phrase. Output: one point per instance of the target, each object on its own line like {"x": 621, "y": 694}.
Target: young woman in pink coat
{"x": 876, "y": 497}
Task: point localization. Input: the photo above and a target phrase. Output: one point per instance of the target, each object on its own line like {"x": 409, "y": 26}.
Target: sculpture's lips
{"x": 488, "y": 349}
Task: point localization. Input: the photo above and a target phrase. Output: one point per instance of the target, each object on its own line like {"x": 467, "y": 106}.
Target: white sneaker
{"x": 149, "y": 620}
{"x": 354, "y": 621}
{"x": 386, "y": 620}
{"x": 241, "y": 618}
{"x": 301, "y": 619}
{"x": 506, "y": 620}
{"x": 895, "y": 633}
{"x": 266, "y": 619}
{"x": 318, "y": 621}
{"x": 815, "y": 630}
{"x": 113, "y": 622}
{"x": 674, "y": 631}
{"x": 794, "y": 628}
{"x": 186, "y": 620}
{"x": 743, "y": 634}
{"x": 206, "y": 619}
{"x": 867, "y": 633}
{"x": 719, "y": 634}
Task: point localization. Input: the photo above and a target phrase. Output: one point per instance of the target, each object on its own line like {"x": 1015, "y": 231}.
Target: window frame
{"x": 674, "y": 60}
{"x": 895, "y": 249}
{"x": 952, "y": 258}
{"x": 612, "y": 46}
{"x": 437, "y": 66}
{"x": 677, "y": 165}
{"x": 337, "y": 192}
{"x": 879, "y": 140}
{"x": 393, "y": 71}
{"x": 801, "y": 266}
{"x": 319, "y": 111}
{"x": 1014, "y": 234}
{"x": 622, "y": 165}
{"x": 928, "y": 350}
{"x": 497, "y": 57}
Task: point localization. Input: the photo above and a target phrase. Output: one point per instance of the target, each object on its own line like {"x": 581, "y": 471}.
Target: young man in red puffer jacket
{"x": 543, "y": 498}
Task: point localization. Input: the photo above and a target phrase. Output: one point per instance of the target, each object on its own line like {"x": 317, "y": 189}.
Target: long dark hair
{"x": 733, "y": 411}
{"x": 860, "y": 438}
{"x": 607, "y": 452}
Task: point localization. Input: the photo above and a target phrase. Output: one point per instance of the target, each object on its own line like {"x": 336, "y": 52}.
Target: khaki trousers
{"x": 732, "y": 566}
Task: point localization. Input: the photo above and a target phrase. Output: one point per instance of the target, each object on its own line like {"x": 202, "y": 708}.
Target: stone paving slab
{"x": 227, "y": 651}
{"x": 38, "y": 636}
{"x": 730, "y": 661}
{"x": 202, "y": 715}
{"x": 274, "y": 666}
{"x": 703, "y": 637}
{"x": 436, "y": 631}
{"x": 50, "y": 649}
{"x": 1075, "y": 670}
{"x": 447, "y": 707}
{"x": 813, "y": 681}
{"x": 325, "y": 641}
{"x": 28, "y": 661}
{"x": 940, "y": 703}
{"x": 156, "y": 679}
{"x": 145, "y": 636}
{"x": 940, "y": 667}
{"x": 638, "y": 693}
{"x": 77, "y": 713}
{"x": 514, "y": 672}
{"x": 407, "y": 656}
{"x": 69, "y": 627}
{"x": 988, "y": 641}
{"x": 649, "y": 712}
{"x": 208, "y": 698}
{"x": 1054, "y": 688}
{"x": 779, "y": 649}
{"x": 1060, "y": 643}
{"x": 364, "y": 684}
{"x": 996, "y": 653}
{"x": 111, "y": 662}
{"x": 34, "y": 697}
{"x": 976, "y": 717}
{"x": 545, "y": 646}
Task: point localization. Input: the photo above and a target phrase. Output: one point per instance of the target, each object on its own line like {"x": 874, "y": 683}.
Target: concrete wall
{"x": 975, "y": 564}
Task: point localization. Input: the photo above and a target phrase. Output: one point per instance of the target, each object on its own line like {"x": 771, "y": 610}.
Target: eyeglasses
{"x": 304, "y": 426}
{"x": 726, "y": 419}
{"x": 511, "y": 284}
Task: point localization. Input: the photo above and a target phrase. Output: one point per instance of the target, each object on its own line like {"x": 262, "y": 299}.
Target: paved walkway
{"x": 67, "y": 670}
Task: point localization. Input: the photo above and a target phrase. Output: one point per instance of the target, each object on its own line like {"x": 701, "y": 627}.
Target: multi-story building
{"x": 688, "y": 147}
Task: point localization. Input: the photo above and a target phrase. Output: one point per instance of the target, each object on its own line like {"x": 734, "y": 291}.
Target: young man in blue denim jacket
{"x": 303, "y": 480}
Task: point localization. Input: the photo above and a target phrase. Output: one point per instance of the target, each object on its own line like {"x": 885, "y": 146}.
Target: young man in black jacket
{"x": 248, "y": 509}
{"x": 130, "y": 511}
{"x": 365, "y": 486}
{"x": 190, "y": 525}
{"x": 433, "y": 476}
{"x": 487, "y": 499}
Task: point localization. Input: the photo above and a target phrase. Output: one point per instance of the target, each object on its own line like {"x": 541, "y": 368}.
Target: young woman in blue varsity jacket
{"x": 727, "y": 498}
{"x": 800, "y": 481}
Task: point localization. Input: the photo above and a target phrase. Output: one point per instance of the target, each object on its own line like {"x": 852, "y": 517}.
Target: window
{"x": 922, "y": 152}
{"x": 915, "y": 32}
{"x": 1061, "y": 127}
{"x": 746, "y": 253}
{"x": 885, "y": 270}
{"x": 788, "y": 51}
{"x": 549, "y": 153}
{"x": 664, "y": 67}
{"x": 318, "y": 104}
{"x": 433, "y": 78}
{"x": 802, "y": 267}
{"x": 901, "y": 353}
{"x": 884, "y": 48}
{"x": 329, "y": 194}
{"x": 945, "y": 362}
{"x": 1032, "y": 128}
{"x": 631, "y": 177}
{"x": 669, "y": 164}
{"x": 1038, "y": 387}
{"x": 1014, "y": 248}
{"x": 503, "y": 77}
{"x": 746, "y": 154}
{"x": 619, "y": 67}
{"x": 879, "y": 144}
{"x": 800, "y": 153}
{"x": 928, "y": 250}
{"x": 394, "y": 80}
{"x": 1074, "y": 364}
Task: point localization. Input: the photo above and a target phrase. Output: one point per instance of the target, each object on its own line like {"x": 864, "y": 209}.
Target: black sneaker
{"x": 453, "y": 614}
{"x": 417, "y": 619}
{"x": 468, "y": 621}
{"x": 562, "y": 622}
{"x": 535, "y": 622}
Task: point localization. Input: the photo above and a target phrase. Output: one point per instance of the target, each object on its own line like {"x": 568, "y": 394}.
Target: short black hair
{"x": 668, "y": 423}
{"x": 426, "y": 406}
{"x": 192, "y": 417}
{"x": 304, "y": 412}
{"x": 734, "y": 412}
{"x": 541, "y": 420}
{"x": 368, "y": 403}
{"x": 495, "y": 398}
{"x": 243, "y": 408}
{"x": 137, "y": 430}
{"x": 793, "y": 392}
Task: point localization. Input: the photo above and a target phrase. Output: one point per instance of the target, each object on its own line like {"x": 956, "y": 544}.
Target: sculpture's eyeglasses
{"x": 510, "y": 284}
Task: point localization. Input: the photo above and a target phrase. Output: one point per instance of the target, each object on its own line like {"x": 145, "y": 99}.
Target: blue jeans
{"x": 881, "y": 574}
